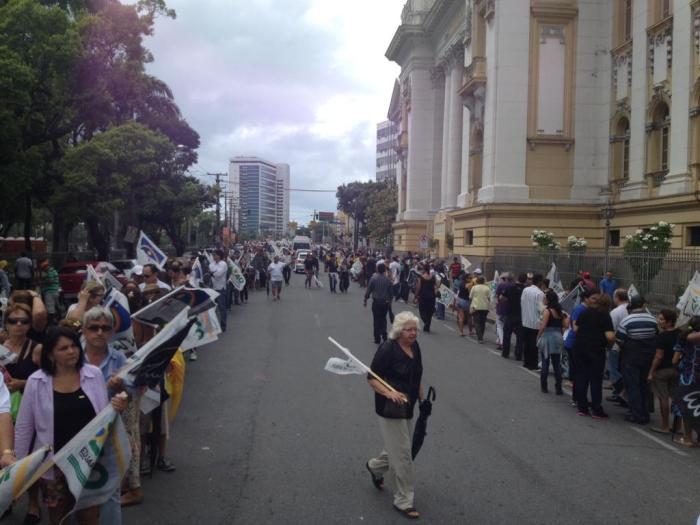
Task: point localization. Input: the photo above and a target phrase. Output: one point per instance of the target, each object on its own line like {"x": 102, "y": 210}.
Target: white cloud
{"x": 296, "y": 81}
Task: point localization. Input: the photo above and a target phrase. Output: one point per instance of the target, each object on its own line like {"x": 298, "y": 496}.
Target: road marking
{"x": 318, "y": 321}
{"x": 448, "y": 327}
{"x": 658, "y": 441}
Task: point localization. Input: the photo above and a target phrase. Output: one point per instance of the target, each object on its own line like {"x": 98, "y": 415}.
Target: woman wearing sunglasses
{"x": 18, "y": 323}
{"x": 59, "y": 400}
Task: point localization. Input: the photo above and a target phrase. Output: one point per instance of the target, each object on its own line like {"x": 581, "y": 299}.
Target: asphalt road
{"x": 266, "y": 436}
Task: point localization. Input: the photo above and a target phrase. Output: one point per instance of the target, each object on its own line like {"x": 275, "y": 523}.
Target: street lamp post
{"x": 608, "y": 212}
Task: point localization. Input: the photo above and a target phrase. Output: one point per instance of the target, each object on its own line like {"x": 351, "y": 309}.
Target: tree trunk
{"x": 178, "y": 242}
{"x": 98, "y": 239}
{"x": 27, "y": 221}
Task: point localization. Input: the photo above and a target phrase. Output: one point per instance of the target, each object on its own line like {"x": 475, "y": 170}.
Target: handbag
{"x": 393, "y": 410}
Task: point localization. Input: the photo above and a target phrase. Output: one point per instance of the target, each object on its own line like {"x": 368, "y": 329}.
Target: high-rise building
{"x": 576, "y": 116}
{"x": 387, "y": 159}
{"x": 260, "y": 196}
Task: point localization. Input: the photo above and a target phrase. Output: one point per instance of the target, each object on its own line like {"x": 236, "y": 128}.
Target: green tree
{"x": 381, "y": 213}
{"x": 353, "y": 199}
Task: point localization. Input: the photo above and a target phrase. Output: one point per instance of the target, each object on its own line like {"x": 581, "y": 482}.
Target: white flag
{"x": 343, "y": 367}
{"x": 555, "y": 281}
{"x": 689, "y": 302}
{"x": 111, "y": 281}
{"x": 446, "y": 296}
{"x": 196, "y": 273}
{"x": 206, "y": 329}
{"x": 92, "y": 275}
{"x": 351, "y": 357}
{"x": 318, "y": 282}
{"x": 494, "y": 284}
{"x": 465, "y": 263}
{"x": 95, "y": 460}
{"x": 14, "y": 479}
{"x": 237, "y": 278}
{"x": 632, "y": 291}
{"x": 148, "y": 252}
{"x": 7, "y": 357}
{"x": 123, "y": 333}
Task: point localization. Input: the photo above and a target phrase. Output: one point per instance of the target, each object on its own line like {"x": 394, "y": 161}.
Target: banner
{"x": 689, "y": 302}
{"x": 165, "y": 309}
{"x": 7, "y": 357}
{"x": 572, "y": 299}
{"x": 147, "y": 252}
{"x": 687, "y": 399}
{"x": 446, "y": 296}
{"x": 147, "y": 366}
{"x": 206, "y": 329}
{"x": 196, "y": 273}
{"x": 555, "y": 281}
{"x": 96, "y": 459}
{"x": 14, "y": 479}
{"x": 123, "y": 336}
{"x": 237, "y": 278}
{"x": 343, "y": 367}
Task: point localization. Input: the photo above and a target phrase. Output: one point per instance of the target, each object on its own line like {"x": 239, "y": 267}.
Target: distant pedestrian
{"x": 426, "y": 290}
{"x": 550, "y": 341}
{"x": 24, "y": 271}
{"x": 380, "y": 289}
{"x": 608, "y": 284}
{"x": 398, "y": 362}
{"x": 332, "y": 269}
{"x": 480, "y": 301}
{"x": 512, "y": 323}
{"x": 531, "y": 305}
{"x": 219, "y": 270}
{"x": 49, "y": 289}
{"x": 275, "y": 271}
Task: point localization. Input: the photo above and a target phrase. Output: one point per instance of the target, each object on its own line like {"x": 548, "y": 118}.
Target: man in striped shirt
{"x": 636, "y": 337}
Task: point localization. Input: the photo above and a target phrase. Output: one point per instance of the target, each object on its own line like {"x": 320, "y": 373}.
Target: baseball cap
{"x": 137, "y": 270}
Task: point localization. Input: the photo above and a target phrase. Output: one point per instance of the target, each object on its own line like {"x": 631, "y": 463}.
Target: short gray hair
{"x": 98, "y": 312}
{"x": 400, "y": 322}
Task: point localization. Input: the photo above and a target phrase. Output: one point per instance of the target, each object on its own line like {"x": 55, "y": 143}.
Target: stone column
{"x": 454, "y": 161}
{"x": 444, "y": 196}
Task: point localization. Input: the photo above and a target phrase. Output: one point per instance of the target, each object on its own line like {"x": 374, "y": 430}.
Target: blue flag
{"x": 147, "y": 252}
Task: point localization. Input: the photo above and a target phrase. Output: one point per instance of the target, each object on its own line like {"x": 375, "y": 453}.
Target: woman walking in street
{"x": 462, "y": 303}
{"x": 426, "y": 289}
{"x": 550, "y": 340}
{"x": 398, "y": 362}
{"x": 480, "y": 297}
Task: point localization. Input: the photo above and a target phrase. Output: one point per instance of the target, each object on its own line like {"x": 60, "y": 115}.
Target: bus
{"x": 301, "y": 243}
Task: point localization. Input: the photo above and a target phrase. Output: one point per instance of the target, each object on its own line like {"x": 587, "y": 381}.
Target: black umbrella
{"x": 425, "y": 408}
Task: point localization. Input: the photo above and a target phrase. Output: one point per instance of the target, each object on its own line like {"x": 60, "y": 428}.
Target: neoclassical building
{"x": 524, "y": 114}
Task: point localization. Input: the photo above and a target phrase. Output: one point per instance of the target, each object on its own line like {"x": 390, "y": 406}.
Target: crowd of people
{"x": 63, "y": 371}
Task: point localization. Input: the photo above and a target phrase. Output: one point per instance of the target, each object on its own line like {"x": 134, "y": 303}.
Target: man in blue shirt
{"x": 571, "y": 335}
{"x": 608, "y": 285}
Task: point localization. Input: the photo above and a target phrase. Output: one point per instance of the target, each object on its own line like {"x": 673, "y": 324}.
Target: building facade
{"x": 387, "y": 157}
{"x": 516, "y": 115}
{"x": 259, "y": 197}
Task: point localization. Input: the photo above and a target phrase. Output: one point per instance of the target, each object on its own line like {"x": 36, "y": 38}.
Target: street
{"x": 265, "y": 435}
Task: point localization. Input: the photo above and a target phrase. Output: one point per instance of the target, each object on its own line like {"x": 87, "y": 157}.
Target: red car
{"x": 72, "y": 274}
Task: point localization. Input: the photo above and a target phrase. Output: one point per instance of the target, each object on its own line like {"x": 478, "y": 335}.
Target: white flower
{"x": 654, "y": 228}
{"x": 534, "y": 244}
{"x": 628, "y": 236}
{"x": 655, "y": 238}
{"x": 639, "y": 232}
{"x": 645, "y": 247}
{"x": 671, "y": 226}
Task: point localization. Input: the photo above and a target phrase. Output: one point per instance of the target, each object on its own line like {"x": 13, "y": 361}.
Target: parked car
{"x": 125, "y": 266}
{"x": 299, "y": 261}
{"x": 72, "y": 274}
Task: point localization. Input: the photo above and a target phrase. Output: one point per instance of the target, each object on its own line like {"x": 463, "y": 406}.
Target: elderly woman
{"x": 398, "y": 362}
{"x": 91, "y": 294}
{"x": 59, "y": 400}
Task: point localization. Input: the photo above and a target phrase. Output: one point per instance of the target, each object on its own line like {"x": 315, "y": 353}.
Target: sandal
{"x": 684, "y": 442}
{"x": 410, "y": 513}
{"x": 659, "y": 430}
{"x": 377, "y": 482}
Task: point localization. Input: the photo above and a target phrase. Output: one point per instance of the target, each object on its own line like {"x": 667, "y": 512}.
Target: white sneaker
{"x": 193, "y": 355}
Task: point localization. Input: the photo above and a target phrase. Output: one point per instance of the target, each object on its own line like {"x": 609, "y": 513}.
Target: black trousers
{"x": 589, "y": 374}
{"x": 286, "y": 273}
{"x": 379, "y": 311}
{"x": 530, "y": 348}
{"x": 426, "y": 309}
{"x": 480, "y": 323}
{"x": 512, "y": 325}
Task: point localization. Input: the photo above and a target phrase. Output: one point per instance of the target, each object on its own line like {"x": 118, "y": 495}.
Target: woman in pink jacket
{"x": 59, "y": 400}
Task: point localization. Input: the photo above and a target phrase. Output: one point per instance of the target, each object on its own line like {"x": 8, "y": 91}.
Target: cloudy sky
{"x": 296, "y": 81}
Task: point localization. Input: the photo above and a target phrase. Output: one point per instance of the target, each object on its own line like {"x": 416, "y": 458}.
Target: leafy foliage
{"x": 381, "y": 213}
{"x": 646, "y": 249}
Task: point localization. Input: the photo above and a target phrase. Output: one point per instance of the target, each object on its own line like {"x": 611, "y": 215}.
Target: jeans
{"x": 614, "y": 373}
{"x": 221, "y": 308}
{"x": 512, "y": 325}
{"x": 286, "y": 273}
{"x": 480, "y": 323}
{"x": 440, "y": 311}
{"x": 589, "y": 373}
{"x": 635, "y": 379}
{"x": 530, "y": 348}
{"x": 379, "y": 311}
{"x": 544, "y": 373}
{"x": 332, "y": 281}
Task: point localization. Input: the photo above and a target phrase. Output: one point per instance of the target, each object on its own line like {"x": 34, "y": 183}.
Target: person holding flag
{"x": 59, "y": 400}
{"x": 398, "y": 362}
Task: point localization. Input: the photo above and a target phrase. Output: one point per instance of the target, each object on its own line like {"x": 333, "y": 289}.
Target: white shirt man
{"x": 218, "y": 273}
{"x": 276, "y": 270}
{"x": 395, "y": 268}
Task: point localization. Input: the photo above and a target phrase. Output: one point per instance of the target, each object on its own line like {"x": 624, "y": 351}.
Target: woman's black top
{"x": 427, "y": 289}
{"x": 24, "y": 366}
{"x": 590, "y": 339}
{"x": 553, "y": 322}
{"x": 463, "y": 292}
{"x": 400, "y": 371}
{"x": 71, "y": 412}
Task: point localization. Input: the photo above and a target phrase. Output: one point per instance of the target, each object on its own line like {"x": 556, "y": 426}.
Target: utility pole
{"x": 217, "y": 226}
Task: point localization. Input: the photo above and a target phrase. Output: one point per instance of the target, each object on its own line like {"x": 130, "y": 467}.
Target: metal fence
{"x": 662, "y": 278}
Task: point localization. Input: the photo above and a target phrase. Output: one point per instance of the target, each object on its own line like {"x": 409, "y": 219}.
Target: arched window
{"x": 620, "y": 142}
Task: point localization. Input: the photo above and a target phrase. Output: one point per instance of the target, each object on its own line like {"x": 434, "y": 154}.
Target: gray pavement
{"x": 265, "y": 435}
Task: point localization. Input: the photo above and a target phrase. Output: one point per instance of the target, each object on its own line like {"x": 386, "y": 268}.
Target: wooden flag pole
{"x": 368, "y": 369}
